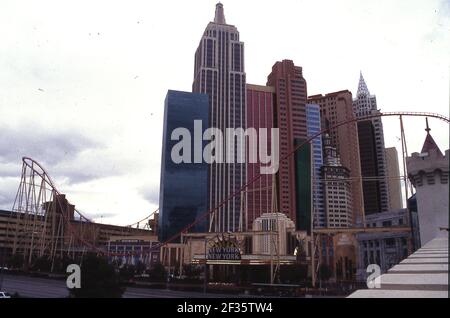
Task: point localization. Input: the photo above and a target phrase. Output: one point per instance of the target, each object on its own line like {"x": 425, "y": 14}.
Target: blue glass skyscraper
{"x": 313, "y": 127}
{"x": 184, "y": 186}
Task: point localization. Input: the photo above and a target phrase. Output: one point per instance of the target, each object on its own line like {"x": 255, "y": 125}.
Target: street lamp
{"x": 2, "y": 264}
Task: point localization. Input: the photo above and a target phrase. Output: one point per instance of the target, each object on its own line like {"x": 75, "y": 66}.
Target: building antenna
{"x": 428, "y": 127}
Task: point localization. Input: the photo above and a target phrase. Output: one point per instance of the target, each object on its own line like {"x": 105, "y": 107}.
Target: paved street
{"x": 34, "y": 286}
{"x": 49, "y": 288}
{"x": 133, "y": 292}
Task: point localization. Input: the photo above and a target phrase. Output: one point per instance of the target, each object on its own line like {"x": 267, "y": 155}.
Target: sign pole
{"x": 205, "y": 270}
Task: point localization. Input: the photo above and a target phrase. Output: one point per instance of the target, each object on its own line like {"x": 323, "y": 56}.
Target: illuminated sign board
{"x": 224, "y": 250}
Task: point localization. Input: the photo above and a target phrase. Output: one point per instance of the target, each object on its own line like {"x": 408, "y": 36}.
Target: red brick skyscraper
{"x": 260, "y": 103}
{"x": 290, "y": 117}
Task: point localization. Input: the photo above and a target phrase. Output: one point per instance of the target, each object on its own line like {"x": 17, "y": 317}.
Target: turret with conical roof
{"x": 428, "y": 171}
{"x": 430, "y": 145}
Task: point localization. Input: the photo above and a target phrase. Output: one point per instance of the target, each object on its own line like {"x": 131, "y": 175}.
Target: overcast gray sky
{"x": 82, "y": 83}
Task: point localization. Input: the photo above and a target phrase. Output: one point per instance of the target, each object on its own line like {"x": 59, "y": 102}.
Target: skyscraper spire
{"x": 362, "y": 87}
{"x": 220, "y": 16}
{"x": 428, "y": 127}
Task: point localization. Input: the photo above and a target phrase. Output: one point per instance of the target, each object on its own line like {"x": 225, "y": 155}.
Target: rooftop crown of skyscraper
{"x": 362, "y": 87}
{"x": 219, "y": 17}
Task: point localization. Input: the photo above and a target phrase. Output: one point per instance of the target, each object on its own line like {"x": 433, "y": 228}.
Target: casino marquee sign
{"x": 224, "y": 249}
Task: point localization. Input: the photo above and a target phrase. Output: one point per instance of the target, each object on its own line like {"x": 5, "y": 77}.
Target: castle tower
{"x": 428, "y": 172}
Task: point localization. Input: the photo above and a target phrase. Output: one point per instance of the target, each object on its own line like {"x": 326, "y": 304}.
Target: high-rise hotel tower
{"x": 376, "y": 193}
{"x": 219, "y": 72}
{"x": 335, "y": 108}
{"x": 290, "y": 118}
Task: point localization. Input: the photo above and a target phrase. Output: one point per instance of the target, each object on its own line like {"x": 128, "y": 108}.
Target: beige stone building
{"x": 394, "y": 185}
{"x": 335, "y": 108}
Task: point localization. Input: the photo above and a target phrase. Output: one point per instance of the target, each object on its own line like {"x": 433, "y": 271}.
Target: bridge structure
{"x": 43, "y": 223}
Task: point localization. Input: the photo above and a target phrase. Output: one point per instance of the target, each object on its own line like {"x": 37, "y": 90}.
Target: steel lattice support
{"x": 33, "y": 223}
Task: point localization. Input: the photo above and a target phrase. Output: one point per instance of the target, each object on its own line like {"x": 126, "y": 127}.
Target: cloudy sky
{"x": 82, "y": 83}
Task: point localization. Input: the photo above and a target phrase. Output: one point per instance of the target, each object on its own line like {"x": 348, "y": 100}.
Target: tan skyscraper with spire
{"x": 394, "y": 185}
{"x": 335, "y": 108}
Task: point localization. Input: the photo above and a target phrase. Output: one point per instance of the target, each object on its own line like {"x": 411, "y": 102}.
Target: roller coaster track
{"x": 46, "y": 180}
{"x": 258, "y": 176}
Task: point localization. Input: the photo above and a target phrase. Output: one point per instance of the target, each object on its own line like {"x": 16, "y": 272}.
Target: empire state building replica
{"x": 219, "y": 72}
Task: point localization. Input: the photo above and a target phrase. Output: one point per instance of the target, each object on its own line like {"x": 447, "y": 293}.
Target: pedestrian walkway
{"x": 424, "y": 274}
